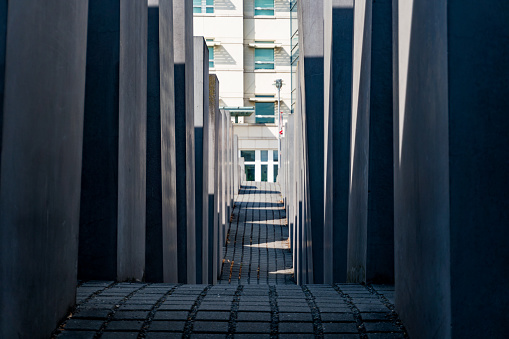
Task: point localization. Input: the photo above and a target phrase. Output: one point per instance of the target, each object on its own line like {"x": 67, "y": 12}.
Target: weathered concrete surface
{"x": 338, "y": 60}
{"x": 112, "y": 218}
{"x": 184, "y": 139}
{"x": 214, "y": 256}
{"x": 370, "y": 212}
{"x": 41, "y": 163}
{"x": 201, "y": 143}
{"x": 99, "y": 182}
{"x": 451, "y": 168}
{"x": 161, "y": 237}
{"x": 311, "y": 66}
{"x": 132, "y": 137}
{"x": 3, "y": 37}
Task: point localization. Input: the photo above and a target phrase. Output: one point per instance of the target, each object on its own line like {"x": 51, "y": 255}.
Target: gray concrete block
{"x": 338, "y": 72}
{"x": 132, "y": 140}
{"x": 213, "y": 180}
{"x": 3, "y": 37}
{"x": 201, "y": 142}
{"x": 236, "y": 172}
{"x": 161, "y": 237}
{"x": 311, "y": 82}
{"x": 184, "y": 139}
{"x": 451, "y": 168}
{"x": 370, "y": 213}
{"x": 112, "y": 215}
{"x": 41, "y": 163}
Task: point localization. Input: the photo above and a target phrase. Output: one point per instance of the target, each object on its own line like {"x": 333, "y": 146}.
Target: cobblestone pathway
{"x": 123, "y": 310}
{"x": 257, "y": 248}
{"x": 255, "y": 299}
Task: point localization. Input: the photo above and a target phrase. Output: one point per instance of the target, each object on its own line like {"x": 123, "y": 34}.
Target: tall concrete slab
{"x": 370, "y": 212}
{"x": 3, "y": 37}
{"x": 41, "y": 164}
{"x": 161, "y": 237}
{"x": 310, "y": 15}
{"x": 236, "y": 173}
{"x": 99, "y": 182}
{"x": 338, "y": 73}
{"x": 132, "y": 140}
{"x": 213, "y": 190}
{"x": 201, "y": 142}
{"x": 112, "y": 215}
{"x": 451, "y": 168}
{"x": 184, "y": 139}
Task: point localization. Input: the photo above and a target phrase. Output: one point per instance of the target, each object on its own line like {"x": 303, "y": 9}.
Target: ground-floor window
{"x": 260, "y": 165}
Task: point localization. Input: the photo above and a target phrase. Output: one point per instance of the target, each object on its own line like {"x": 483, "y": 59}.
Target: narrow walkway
{"x": 257, "y": 247}
{"x": 255, "y": 298}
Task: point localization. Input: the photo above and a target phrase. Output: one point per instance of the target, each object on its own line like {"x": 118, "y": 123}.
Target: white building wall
{"x": 233, "y": 27}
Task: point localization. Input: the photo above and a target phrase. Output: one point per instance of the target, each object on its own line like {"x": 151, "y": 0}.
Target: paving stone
{"x": 119, "y": 335}
{"x": 337, "y": 317}
{"x": 385, "y": 336}
{"x": 254, "y": 316}
{"x": 296, "y": 317}
{"x": 291, "y": 327}
{"x": 83, "y": 324}
{"x": 167, "y": 326}
{"x": 135, "y": 307}
{"x": 171, "y": 315}
{"x": 76, "y": 335}
{"x": 91, "y": 314}
{"x": 161, "y": 335}
{"x": 372, "y": 308}
{"x": 381, "y": 327}
{"x": 297, "y": 336}
{"x": 251, "y": 336}
{"x": 340, "y": 336}
{"x": 377, "y": 316}
{"x": 203, "y": 315}
{"x": 254, "y": 308}
{"x": 207, "y": 336}
{"x": 253, "y": 327}
{"x": 124, "y": 325}
{"x": 339, "y": 327}
{"x": 131, "y": 315}
{"x": 186, "y": 307}
{"x": 210, "y": 326}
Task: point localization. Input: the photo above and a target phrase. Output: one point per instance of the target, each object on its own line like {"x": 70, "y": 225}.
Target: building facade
{"x": 249, "y": 48}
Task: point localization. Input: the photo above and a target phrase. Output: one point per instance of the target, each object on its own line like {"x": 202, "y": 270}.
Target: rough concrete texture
{"x": 370, "y": 214}
{"x": 338, "y": 50}
{"x": 99, "y": 182}
{"x": 41, "y": 164}
{"x": 201, "y": 143}
{"x": 452, "y": 140}
{"x": 132, "y": 140}
{"x": 184, "y": 139}
{"x": 3, "y": 37}
{"x": 311, "y": 68}
{"x": 161, "y": 237}
{"x": 213, "y": 191}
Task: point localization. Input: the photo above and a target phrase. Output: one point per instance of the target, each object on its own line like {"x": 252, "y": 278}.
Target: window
{"x": 275, "y": 155}
{"x": 275, "y": 173}
{"x": 250, "y": 172}
{"x": 264, "y": 58}
{"x": 264, "y": 155}
{"x": 203, "y": 6}
{"x": 264, "y": 7}
{"x": 211, "y": 57}
{"x": 264, "y": 112}
{"x": 248, "y": 155}
{"x": 264, "y": 173}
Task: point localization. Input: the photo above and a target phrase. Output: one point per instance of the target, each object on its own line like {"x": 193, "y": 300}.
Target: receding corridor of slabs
{"x": 257, "y": 246}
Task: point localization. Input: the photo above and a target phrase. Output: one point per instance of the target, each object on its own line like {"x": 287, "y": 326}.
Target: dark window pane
{"x": 264, "y": 120}
{"x": 264, "y": 172}
{"x": 209, "y": 10}
{"x": 250, "y": 172}
{"x": 248, "y": 155}
{"x": 264, "y": 108}
{"x": 274, "y": 155}
{"x": 275, "y": 173}
{"x": 264, "y": 12}
{"x": 264, "y": 155}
